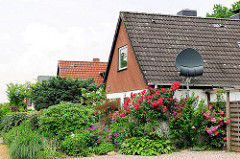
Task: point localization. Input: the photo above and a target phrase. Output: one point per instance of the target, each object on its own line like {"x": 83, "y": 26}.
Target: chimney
{"x": 237, "y": 15}
{"x": 187, "y": 12}
{"x": 96, "y": 60}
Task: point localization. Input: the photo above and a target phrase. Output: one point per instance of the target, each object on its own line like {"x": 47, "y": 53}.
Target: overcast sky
{"x": 35, "y": 34}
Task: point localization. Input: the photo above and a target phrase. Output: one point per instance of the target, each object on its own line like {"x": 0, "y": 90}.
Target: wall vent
{"x": 238, "y": 44}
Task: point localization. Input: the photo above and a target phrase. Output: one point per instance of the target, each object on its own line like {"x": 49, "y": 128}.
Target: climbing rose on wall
{"x": 216, "y": 122}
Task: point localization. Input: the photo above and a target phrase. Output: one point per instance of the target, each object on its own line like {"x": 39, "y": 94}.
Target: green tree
{"x": 17, "y": 92}
{"x": 220, "y": 11}
{"x": 55, "y": 90}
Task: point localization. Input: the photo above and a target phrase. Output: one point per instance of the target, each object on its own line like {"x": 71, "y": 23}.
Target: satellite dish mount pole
{"x": 188, "y": 79}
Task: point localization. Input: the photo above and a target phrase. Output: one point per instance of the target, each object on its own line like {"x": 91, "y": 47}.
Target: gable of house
{"x": 83, "y": 70}
{"x": 157, "y": 39}
{"x": 129, "y": 78}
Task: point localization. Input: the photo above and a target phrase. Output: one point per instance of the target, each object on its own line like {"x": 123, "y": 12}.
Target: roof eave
{"x": 197, "y": 85}
{"x": 112, "y": 48}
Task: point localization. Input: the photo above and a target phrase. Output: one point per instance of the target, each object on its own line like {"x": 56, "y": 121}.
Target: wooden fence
{"x": 233, "y": 129}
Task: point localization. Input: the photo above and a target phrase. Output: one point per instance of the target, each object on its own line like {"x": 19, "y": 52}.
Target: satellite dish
{"x": 189, "y": 62}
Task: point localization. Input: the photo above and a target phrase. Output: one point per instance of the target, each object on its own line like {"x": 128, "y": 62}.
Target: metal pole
{"x": 188, "y": 81}
{"x": 228, "y": 115}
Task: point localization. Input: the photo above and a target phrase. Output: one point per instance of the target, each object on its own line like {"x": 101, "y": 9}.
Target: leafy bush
{"x": 4, "y": 109}
{"x": 216, "y": 122}
{"x": 145, "y": 147}
{"x": 23, "y": 142}
{"x": 77, "y": 144}
{"x": 13, "y": 119}
{"x": 34, "y": 119}
{"x": 64, "y": 118}
{"x": 103, "y": 148}
{"x": 17, "y": 92}
{"x": 56, "y": 90}
{"x": 186, "y": 121}
{"x": 94, "y": 98}
{"x": 152, "y": 130}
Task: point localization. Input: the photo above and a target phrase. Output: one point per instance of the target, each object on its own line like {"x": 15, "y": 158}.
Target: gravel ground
{"x": 185, "y": 154}
{"x": 4, "y": 154}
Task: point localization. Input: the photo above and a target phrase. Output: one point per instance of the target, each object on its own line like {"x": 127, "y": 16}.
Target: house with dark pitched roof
{"x": 145, "y": 46}
{"x": 83, "y": 70}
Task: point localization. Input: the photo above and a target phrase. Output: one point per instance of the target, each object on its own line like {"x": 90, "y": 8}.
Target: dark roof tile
{"x": 156, "y": 44}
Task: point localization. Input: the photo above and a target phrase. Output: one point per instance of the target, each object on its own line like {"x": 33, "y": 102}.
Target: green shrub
{"x": 4, "y": 109}
{"x": 62, "y": 119}
{"x": 13, "y": 119}
{"x": 56, "y": 90}
{"x": 186, "y": 122}
{"x": 103, "y": 148}
{"x": 34, "y": 119}
{"x": 145, "y": 147}
{"x": 76, "y": 144}
{"x": 23, "y": 142}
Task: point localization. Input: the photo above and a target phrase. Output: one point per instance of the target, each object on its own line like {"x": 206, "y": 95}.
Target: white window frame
{"x": 120, "y": 50}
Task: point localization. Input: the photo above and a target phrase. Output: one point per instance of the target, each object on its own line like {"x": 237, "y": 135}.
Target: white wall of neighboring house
{"x": 181, "y": 93}
{"x": 234, "y": 96}
{"x": 122, "y": 95}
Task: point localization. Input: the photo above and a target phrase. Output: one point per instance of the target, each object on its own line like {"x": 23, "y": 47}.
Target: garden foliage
{"x": 23, "y": 142}
{"x": 56, "y": 90}
{"x": 216, "y": 121}
{"x": 151, "y": 122}
{"x": 4, "y": 109}
{"x": 62, "y": 119}
{"x": 186, "y": 122}
{"x": 107, "y": 111}
{"x": 17, "y": 92}
{"x": 146, "y": 147}
{"x": 13, "y": 119}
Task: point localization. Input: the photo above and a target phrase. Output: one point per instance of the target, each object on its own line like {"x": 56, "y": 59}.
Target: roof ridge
{"x": 160, "y": 14}
{"x": 80, "y": 61}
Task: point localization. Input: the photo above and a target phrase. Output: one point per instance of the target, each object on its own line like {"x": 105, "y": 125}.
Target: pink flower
{"x": 210, "y": 107}
{"x": 224, "y": 138}
{"x": 206, "y": 128}
{"x": 221, "y": 113}
{"x": 209, "y": 131}
{"x": 216, "y": 133}
{"x": 207, "y": 114}
{"x": 213, "y": 120}
{"x": 212, "y": 134}
{"x": 193, "y": 127}
{"x": 223, "y": 133}
{"x": 227, "y": 121}
{"x": 220, "y": 119}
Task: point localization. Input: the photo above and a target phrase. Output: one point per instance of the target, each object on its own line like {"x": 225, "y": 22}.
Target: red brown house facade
{"x": 145, "y": 47}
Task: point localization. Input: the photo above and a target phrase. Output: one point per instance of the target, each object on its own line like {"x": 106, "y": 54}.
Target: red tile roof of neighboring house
{"x": 83, "y": 69}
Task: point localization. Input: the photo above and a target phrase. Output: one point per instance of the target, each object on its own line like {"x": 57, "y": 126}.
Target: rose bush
{"x": 150, "y": 104}
{"x": 216, "y": 122}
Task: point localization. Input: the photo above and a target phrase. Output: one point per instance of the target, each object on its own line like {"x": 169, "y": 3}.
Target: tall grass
{"x": 26, "y": 143}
